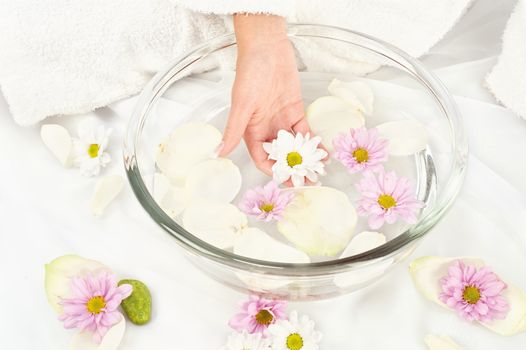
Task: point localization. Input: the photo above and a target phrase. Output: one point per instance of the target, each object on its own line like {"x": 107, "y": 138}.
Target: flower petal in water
{"x": 406, "y": 137}
{"x": 357, "y": 93}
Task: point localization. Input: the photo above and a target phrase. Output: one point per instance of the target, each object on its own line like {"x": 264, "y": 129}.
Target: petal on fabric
{"x": 180, "y": 152}
{"x": 319, "y": 221}
{"x": 405, "y": 137}
{"x": 58, "y": 274}
{"x": 58, "y": 140}
{"x": 331, "y": 124}
{"x": 106, "y": 190}
{"x": 256, "y": 244}
{"x": 440, "y": 342}
{"x": 110, "y": 341}
{"x": 214, "y": 222}
{"x": 357, "y": 93}
{"x": 172, "y": 199}
{"x": 215, "y": 179}
{"x": 361, "y": 243}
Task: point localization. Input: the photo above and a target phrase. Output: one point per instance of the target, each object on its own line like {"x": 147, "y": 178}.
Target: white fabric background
{"x": 44, "y": 213}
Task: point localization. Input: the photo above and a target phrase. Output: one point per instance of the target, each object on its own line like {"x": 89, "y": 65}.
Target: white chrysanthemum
{"x": 246, "y": 341}
{"x": 89, "y": 148}
{"x": 294, "y": 334}
{"x": 297, "y": 157}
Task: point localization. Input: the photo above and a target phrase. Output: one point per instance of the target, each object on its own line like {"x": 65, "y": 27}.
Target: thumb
{"x": 235, "y": 128}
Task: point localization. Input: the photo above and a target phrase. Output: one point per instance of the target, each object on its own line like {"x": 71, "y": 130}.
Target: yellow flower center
{"x": 93, "y": 150}
{"x": 267, "y": 208}
{"x": 471, "y": 294}
{"x": 386, "y": 201}
{"x": 361, "y": 155}
{"x": 264, "y": 317}
{"x": 96, "y": 304}
{"x": 294, "y": 158}
{"x": 294, "y": 341}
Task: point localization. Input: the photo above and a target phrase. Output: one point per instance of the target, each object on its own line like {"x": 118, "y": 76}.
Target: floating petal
{"x": 216, "y": 223}
{"x": 105, "y": 192}
{"x": 356, "y": 93}
{"x": 188, "y": 144}
{"x": 361, "y": 243}
{"x": 326, "y": 104}
{"x": 256, "y": 244}
{"x": 427, "y": 271}
{"x": 215, "y": 179}
{"x": 58, "y": 140}
{"x": 319, "y": 221}
{"x": 405, "y": 137}
{"x": 59, "y": 272}
{"x": 333, "y": 123}
{"x": 440, "y": 342}
{"x": 171, "y": 199}
{"x": 111, "y": 340}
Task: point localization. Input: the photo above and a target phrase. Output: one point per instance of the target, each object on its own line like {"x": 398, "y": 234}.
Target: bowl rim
{"x": 176, "y": 70}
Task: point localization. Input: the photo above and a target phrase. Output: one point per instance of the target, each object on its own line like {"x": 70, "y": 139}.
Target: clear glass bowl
{"x": 196, "y": 87}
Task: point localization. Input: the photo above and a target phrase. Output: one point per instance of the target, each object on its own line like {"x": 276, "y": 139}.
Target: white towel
{"x": 507, "y": 80}
{"x": 72, "y": 56}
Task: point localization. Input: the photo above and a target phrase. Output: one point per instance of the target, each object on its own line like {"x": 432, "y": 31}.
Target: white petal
{"x": 326, "y": 104}
{"x": 105, "y": 192}
{"x": 171, "y": 199}
{"x": 111, "y": 341}
{"x": 357, "y": 93}
{"x": 440, "y": 342}
{"x": 215, "y": 179}
{"x": 58, "y": 140}
{"x": 333, "y": 123}
{"x": 214, "y": 222}
{"x": 427, "y": 271}
{"x": 59, "y": 272}
{"x": 188, "y": 144}
{"x": 361, "y": 243}
{"x": 405, "y": 137}
{"x": 319, "y": 221}
{"x": 256, "y": 244}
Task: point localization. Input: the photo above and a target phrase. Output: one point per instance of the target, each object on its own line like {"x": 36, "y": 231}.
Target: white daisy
{"x": 89, "y": 148}
{"x": 294, "y": 334}
{"x": 246, "y": 341}
{"x": 296, "y": 157}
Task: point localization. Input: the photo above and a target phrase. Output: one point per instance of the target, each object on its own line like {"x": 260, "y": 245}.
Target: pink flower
{"x": 257, "y": 314}
{"x": 474, "y": 294}
{"x": 386, "y": 198}
{"x": 361, "y": 149}
{"x": 93, "y": 306}
{"x": 266, "y": 203}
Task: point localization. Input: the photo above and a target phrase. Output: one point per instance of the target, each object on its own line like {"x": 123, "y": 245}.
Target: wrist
{"x": 257, "y": 31}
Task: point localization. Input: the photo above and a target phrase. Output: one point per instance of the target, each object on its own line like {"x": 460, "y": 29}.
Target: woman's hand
{"x": 266, "y": 95}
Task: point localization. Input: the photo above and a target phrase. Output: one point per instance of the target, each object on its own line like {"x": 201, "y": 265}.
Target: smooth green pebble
{"x": 138, "y": 306}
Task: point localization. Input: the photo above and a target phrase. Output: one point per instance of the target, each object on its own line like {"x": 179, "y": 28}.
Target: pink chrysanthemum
{"x": 93, "y": 306}
{"x": 361, "y": 149}
{"x": 266, "y": 203}
{"x": 385, "y": 198}
{"x": 474, "y": 294}
{"x": 257, "y": 314}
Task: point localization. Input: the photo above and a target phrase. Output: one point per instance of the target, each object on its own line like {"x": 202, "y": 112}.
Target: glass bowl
{"x": 196, "y": 87}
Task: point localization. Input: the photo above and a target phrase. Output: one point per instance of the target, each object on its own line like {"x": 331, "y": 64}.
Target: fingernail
{"x": 219, "y": 149}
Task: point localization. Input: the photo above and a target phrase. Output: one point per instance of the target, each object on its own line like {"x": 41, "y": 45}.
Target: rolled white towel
{"x": 507, "y": 80}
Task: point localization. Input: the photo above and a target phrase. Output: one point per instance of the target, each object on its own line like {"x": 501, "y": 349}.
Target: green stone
{"x": 138, "y": 306}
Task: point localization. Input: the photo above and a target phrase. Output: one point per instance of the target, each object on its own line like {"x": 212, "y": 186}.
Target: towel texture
{"x": 507, "y": 80}
{"x": 71, "y": 56}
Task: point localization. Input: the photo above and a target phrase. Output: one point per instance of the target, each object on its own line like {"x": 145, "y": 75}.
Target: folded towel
{"x": 507, "y": 80}
{"x": 70, "y": 56}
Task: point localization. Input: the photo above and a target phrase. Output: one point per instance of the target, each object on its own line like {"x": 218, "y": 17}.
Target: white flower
{"x": 294, "y": 334}
{"x": 89, "y": 149}
{"x": 246, "y": 341}
{"x": 296, "y": 157}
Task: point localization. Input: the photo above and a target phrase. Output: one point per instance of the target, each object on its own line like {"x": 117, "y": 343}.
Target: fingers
{"x": 235, "y": 128}
{"x": 302, "y": 127}
{"x": 258, "y": 154}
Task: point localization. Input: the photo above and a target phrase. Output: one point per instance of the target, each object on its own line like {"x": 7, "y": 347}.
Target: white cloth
{"x": 507, "y": 80}
{"x": 70, "y": 57}
{"x": 44, "y": 213}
